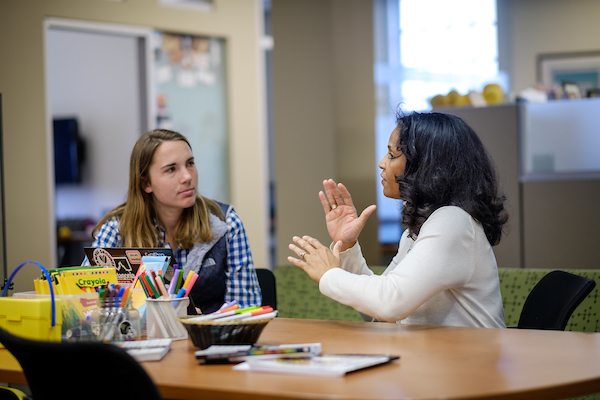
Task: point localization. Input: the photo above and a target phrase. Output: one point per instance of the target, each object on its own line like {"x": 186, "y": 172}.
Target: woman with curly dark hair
{"x": 445, "y": 272}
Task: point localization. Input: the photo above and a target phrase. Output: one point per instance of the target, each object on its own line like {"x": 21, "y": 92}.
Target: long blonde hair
{"x": 138, "y": 212}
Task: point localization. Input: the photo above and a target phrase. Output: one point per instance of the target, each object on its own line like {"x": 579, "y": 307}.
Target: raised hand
{"x": 343, "y": 222}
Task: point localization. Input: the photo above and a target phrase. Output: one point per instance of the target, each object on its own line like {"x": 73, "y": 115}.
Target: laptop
{"x": 127, "y": 260}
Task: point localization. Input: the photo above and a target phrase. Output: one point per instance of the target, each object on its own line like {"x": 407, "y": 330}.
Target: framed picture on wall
{"x": 577, "y": 74}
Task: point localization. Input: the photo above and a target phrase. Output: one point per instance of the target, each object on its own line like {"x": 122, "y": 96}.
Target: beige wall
{"x": 548, "y": 26}
{"x": 28, "y": 201}
{"x": 324, "y": 113}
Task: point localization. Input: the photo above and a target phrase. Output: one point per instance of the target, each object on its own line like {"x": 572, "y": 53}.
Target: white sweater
{"x": 447, "y": 276}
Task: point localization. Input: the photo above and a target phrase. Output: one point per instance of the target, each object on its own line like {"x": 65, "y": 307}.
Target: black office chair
{"x": 553, "y": 299}
{"x": 82, "y": 370}
{"x": 266, "y": 280}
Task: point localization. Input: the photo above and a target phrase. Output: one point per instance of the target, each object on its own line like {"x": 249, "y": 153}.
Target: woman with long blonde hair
{"x": 164, "y": 209}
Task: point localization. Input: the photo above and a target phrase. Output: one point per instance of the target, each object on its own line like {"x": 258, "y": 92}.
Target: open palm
{"x": 343, "y": 222}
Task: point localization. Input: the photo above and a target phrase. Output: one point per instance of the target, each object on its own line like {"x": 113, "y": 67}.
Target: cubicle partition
{"x": 547, "y": 159}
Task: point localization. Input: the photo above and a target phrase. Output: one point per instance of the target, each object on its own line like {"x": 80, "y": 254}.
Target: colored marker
{"x": 179, "y": 281}
{"x": 262, "y": 316}
{"x": 227, "y": 305}
{"x": 232, "y": 308}
{"x": 188, "y": 279}
{"x": 151, "y": 288}
{"x": 119, "y": 296}
{"x": 161, "y": 287}
{"x": 180, "y": 293}
{"x": 174, "y": 280}
{"x": 191, "y": 284}
{"x": 141, "y": 269}
{"x": 245, "y": 309}
{"x": 125, "y": 297}
{"x": 248, "y": 314}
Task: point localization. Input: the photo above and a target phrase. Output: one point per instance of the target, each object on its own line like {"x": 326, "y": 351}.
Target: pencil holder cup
{"x": 161, "y": 318}
{"x": 111, "y": 323}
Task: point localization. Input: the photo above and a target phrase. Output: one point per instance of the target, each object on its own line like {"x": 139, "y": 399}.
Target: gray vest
{"x": 209, "y": 260}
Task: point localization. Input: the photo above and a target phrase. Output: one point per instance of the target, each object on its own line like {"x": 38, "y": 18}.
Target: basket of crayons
{"x": 228, "y": 325}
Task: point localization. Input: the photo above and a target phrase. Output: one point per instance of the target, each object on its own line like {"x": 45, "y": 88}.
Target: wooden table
{"x": 436, "y": 363}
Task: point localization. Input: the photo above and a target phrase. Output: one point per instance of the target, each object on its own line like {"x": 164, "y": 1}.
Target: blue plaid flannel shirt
{"x": 242, "y": 283}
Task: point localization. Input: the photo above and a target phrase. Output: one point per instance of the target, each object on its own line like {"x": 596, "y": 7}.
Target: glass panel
{"x": 560, "y": 140}
{"x": 190, "y": 73}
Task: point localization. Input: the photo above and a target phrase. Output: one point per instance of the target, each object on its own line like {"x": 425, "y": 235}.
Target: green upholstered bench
{"x": 298, "y": 296}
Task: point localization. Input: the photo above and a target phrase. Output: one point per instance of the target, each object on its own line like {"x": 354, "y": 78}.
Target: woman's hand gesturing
{"x": 315, "y": 259}
{"x": 343, "y": 222}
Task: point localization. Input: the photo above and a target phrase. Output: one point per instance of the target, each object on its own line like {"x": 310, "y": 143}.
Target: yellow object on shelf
{"x": 493, "y": 94}
{"x": 438, "y": 101}
{"x": 452, "y": 98}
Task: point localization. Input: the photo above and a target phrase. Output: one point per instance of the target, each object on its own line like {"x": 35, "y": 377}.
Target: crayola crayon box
{"x": 76, "y": 280}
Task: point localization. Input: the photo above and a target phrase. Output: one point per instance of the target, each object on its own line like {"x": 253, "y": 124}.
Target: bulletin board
{"x": 191, "y": 99}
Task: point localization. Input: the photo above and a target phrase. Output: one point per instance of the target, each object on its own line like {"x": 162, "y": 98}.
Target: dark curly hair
{"x": 447, "y": 165}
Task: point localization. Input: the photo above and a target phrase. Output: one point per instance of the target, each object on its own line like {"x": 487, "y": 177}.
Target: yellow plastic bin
{"x": 34, "y": 318}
